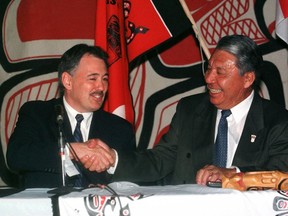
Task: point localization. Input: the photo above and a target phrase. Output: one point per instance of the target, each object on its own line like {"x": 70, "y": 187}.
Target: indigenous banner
{"x": 126, "y": 29}
{"x": 149, "y": 23}
{"x": 109, "y": 35}
{"x": 282, "y": 19}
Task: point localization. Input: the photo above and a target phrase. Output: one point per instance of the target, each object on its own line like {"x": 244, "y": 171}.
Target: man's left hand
{"x": 213, "y": 173}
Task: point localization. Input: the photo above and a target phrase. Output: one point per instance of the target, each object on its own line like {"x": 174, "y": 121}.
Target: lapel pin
{"x": 253, "y": 137}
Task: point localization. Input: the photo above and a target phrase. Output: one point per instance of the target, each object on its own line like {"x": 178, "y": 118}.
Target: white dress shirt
{"x": 236, "y": 122}
{"x": 85, "y": 124}
{"x": 85, "y": 127}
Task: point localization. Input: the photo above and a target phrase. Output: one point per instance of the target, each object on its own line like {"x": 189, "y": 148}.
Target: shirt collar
{"x": 241, "y": 109}
{"x": 71, "y": 112}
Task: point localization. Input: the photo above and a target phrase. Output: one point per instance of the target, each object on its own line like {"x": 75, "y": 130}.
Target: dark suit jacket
{"x": 188, "y": 145}
{"x": 33, "y": 147}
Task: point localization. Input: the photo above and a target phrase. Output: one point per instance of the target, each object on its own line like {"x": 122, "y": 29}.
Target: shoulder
{"x": 111, "y": 119}
{"x": 272, "y": 111}
{"x": 39, "y": 105}
{"x": 270, "y": 105}
{"x": 194, "y": 106}
{"x": 194, "y": 100}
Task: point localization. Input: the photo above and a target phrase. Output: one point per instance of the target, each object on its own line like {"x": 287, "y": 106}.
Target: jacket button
{"x": 188, "y": 155}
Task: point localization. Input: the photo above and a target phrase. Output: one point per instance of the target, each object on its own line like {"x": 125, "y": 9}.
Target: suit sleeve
{"x": 152, "y": 164}
{"x": 33, "y": 146}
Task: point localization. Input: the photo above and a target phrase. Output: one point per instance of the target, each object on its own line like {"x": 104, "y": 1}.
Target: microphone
{"x": 59, "y": 120}
{"x": 59, "y": 114}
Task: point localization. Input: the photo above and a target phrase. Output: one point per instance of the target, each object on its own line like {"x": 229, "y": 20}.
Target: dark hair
{"x": 71, "y": 58}
{"x": 246, "y": 51}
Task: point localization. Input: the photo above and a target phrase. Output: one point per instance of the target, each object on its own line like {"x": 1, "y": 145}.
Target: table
{"x": 136, "y": 200}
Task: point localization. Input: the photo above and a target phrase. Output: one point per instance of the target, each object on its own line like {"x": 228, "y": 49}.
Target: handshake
{"x": 94, "y": 154}
{"x": 262, "y": 180}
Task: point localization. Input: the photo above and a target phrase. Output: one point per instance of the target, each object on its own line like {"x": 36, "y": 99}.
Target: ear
{"x": 249, "y": 78}
{"x": 66, "y": 80}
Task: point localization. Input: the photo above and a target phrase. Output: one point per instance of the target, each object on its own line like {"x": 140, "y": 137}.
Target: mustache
{"x": 99, "y": 93}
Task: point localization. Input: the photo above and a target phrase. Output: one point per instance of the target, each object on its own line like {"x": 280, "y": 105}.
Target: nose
{"x": 210, "y": 76}
{"x": 100, "y": 85}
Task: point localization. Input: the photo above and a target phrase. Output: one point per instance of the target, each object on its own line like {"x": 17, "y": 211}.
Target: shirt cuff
{"x": 112, "y": 169}
{"x": 67, "y": 151}
{"x": 237, "y": 169}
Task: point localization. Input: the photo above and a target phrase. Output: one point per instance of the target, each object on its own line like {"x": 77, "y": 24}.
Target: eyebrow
{"x": 97, "y": 74}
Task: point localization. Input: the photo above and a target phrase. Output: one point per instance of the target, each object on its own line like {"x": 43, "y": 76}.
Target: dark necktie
{"x": 78, "y": 138}
{"x": 221, "y": 140}
{"x": 77, "y": 132}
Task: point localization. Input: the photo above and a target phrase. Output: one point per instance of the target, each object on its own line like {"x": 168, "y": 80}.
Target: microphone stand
{"x": 62, "y": 152}
{"x": 61, "y": 144}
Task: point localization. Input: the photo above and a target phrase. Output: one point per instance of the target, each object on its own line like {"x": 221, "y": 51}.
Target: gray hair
{"x": 246, "y": 51}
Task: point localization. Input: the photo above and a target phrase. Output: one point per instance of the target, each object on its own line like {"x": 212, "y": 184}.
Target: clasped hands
{"x": 97, "y": 156}
{"x": 211, "y": 173}
{"x": 94, "y": 154}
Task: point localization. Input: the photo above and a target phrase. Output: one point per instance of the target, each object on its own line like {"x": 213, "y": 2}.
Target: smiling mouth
{"x": 214, "y": 91}
{"x": 98, "y": 95}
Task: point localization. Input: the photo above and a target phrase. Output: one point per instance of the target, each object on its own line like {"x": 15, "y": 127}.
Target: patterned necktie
{"x": 221, "y": 140}
{"x": 78, "y": 138}
{"x": 77, "y": 132}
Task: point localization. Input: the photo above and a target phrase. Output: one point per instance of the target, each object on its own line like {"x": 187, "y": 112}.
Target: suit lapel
{"x": 67, "y": 132}
{"x": 254, "y": 122}
{"x": 93, "y": 128}
{"x": 205, "y": 121}
{"x": 202, "y": 130}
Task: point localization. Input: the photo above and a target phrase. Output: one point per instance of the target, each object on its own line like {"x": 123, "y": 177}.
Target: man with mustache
{"x": 257, "y": 129}
{"x": 33, "y": 149}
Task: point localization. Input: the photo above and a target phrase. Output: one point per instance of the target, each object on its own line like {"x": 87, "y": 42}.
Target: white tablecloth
{"x": 137, "y": 201}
